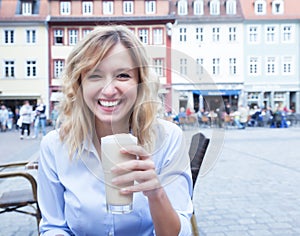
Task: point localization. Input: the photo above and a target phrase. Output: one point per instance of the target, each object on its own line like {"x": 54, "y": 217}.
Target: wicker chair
{"x": 198, "y": 147}
{"x": 17, "y": 200}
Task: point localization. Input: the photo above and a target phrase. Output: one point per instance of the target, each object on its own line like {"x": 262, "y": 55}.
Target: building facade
{"x": 272, "y": 49}
{"x": 207, "y": 42}
{"x": 206, "y": 53}
{"x": 70, "y": 21}
{"x": 23, "y": 52}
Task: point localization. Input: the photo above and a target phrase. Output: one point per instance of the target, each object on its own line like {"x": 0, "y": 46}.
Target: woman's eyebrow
{"x": 118, "y": 70}
{"x": 125, "y": 69}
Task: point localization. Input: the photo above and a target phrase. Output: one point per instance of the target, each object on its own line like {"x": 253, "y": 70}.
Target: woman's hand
{"x": 165, "y": 219}
{"x": 140, "y": 170}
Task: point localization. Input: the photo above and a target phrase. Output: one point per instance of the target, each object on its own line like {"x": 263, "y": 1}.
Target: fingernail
{"x": 124, "y": 190}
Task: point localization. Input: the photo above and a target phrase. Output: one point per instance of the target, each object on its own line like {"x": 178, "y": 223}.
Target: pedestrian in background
{"x": 10, "y": 120}
{"x": 40, "y": 118}
{"x": 54, "y": 116}
{"x": 3, "y": 118}
{"x": 26, "y": 115}
{"x": 244, "y": 113}
{"x": 16, "y": 119}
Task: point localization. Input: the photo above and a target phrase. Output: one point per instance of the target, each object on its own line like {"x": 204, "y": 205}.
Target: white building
{"x": 207, "y": 53}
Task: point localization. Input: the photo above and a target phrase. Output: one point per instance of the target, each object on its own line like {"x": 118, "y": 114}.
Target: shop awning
{"x": 221, "y": 92}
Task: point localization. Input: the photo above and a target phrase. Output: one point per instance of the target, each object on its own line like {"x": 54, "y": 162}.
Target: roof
{"x": 291, "y": 10}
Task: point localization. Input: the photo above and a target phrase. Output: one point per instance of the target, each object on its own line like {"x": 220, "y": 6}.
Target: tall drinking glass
{"x": 116, "y": 203}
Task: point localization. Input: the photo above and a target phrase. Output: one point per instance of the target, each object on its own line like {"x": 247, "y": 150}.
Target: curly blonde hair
{"x": 77, "y": 120}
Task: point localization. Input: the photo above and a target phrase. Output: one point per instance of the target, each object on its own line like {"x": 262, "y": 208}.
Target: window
{"x": 270, "y": 34}
{"x": 87, "y": 7}
{"x": 277, "y": 7}
{"x": 287, "y": 65}
{"x": 144, "y": 35}
{"x": 182, "y": 34}
{"x": 9, "y": 36}
{"x": 73, "y": 36}
{"x": 198, "y": 6}
{"x": 260, "y": 7}
{"x": 232, "y": 66}
{"x": 157, "y": 36}
{"x": 182, "y": 7}
{"x": 9, "y": 69}
{"x": 108, "y": 7}
{"x": 279, "y": 95}
{"x": 214, "y": 7}
{"x": 271, "y": 66}
{"x": 199, "y": 66}
{"x": 287, "y": 33}
{"x": 253, "y": 66}
{"x": 58, "y": 67}
{"x": 216, "y": 34}
{"x": 128, "y": 7}
{"x": 85, "y": 32}
{"x": 231, "y": 7}
{"x": 65, "y": 8}
{"x": 150, "y": 6}
{"x": 31, "y": 69}
{"x": 253, "y": 96}
{"x": 159, "y": 66}
{"x": 26, "y": 8}
{"x": 216, "y": 66}
{"x": 183, "y": 66}
{"x": 199, "y": 34}
{"x": 253, "y": 34}
{"x": 232, "y": 34}
{"x": 58, "y": 37}
{"x": 30, "y": 36}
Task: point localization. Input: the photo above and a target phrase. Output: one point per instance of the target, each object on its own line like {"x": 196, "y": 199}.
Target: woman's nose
{"x": 109, "y": 88}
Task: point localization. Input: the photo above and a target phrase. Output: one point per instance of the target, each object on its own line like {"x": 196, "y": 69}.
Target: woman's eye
{"x": 94, "y": 77}
{"x": 123, "y": 76}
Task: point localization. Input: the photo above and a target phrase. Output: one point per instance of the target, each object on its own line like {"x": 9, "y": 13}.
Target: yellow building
{"x": 23, "y": 52}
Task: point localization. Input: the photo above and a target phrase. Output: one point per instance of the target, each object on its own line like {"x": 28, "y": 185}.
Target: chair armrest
{"x": 14, "y": 164}
{"x": 25, "y": 175}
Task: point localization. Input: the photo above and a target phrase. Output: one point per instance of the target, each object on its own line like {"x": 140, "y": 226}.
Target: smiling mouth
{"x": 106, "y": 103}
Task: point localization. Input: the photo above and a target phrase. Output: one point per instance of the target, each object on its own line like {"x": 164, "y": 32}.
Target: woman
{"x": 108, "y": 89}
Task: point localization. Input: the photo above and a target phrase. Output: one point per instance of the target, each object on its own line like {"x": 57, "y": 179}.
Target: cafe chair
{"x": 197, "y": 150}
{"x": 19, "y": 200}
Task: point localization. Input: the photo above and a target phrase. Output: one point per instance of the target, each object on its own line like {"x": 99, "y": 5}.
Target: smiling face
{"x": 110, "y": 91}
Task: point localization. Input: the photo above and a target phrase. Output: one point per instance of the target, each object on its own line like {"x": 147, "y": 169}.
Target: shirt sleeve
{"x": 50, "y": 192}
{"x": 175, "y": 176}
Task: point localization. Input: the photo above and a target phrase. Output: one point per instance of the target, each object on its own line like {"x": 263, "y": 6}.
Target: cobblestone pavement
{"x": 254, "y": 187}
{"x": 249, "y": 183}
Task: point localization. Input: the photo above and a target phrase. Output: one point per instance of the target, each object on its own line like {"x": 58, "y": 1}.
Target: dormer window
{"x": 150, "y": 7}
{"x": 277, "y": 7}
{"x": 260, "y": 7}
{"x": 108, "y": 7}
{"x": 182, "y": 7}
{"x": 198, "y": 7}
{"x": 26, "y": 8}
{"x": 127, "y": 7}
{"x": 87, "y": 7}
{"x": 65, "y": 7}
{"x": 231, "y": 7}
{"x": 214, "y": 7}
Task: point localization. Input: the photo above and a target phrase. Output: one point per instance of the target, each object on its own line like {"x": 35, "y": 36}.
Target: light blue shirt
{"x": 71, "y": 193}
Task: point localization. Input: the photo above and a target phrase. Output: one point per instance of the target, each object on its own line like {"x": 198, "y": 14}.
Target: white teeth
{"x": 108, "y": 103}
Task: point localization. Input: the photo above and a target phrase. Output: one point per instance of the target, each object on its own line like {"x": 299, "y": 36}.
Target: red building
{"x": 70, "y": 21}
